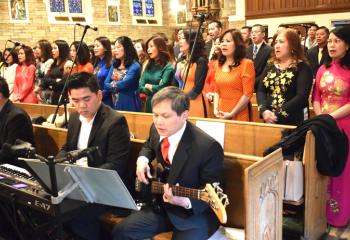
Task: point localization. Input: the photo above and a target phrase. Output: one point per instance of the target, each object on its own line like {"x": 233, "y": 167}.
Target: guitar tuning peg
{"x": 224, "y": 200}
{"x": 216, "y": 184}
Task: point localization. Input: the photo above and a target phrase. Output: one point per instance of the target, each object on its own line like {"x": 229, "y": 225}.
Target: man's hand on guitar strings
{"x": 175, "y": 200}
{"x": 143, "y": 172}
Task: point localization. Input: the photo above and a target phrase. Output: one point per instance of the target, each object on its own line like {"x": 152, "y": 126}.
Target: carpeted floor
{"x": 339, "y": 233}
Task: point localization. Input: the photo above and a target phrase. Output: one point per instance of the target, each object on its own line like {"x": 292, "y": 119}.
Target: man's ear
{"x": 99, "y": 95}
{"x": 185, "y": 114}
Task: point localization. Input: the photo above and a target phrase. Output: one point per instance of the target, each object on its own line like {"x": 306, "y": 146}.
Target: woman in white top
{"x": 8, "y": 70}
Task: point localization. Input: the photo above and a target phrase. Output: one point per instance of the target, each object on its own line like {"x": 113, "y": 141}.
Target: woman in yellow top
{"x": 234, "y": 78}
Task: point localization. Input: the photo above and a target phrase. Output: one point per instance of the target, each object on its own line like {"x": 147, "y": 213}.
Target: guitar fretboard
{"x": 157, "y": 187}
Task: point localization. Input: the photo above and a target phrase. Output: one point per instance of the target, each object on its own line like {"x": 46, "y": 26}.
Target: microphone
{"x": 16, "y": 43}
{"x": 201, "y": 16}
{"x": 19, "y": 149}
{"x": 73, "y": 156}
{"x": 87, "y": 26}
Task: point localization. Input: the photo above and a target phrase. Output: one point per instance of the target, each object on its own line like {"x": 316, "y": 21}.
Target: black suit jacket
{"x": 208, "y": 46}
{"x": 110, "y": 133}
{"x": 198, "y": 160}
{"x": 14, "y": 124}
{"x": 260, "y": 61}
{"x": 312, "y": 57}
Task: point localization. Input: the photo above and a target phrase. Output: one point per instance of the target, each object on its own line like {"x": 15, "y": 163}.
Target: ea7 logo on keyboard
{"x": 42, "y": 205}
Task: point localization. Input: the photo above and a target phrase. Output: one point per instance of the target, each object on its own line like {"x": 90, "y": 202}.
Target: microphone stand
{"x": 201, "y": 21}
{"x": 64, "y": 94}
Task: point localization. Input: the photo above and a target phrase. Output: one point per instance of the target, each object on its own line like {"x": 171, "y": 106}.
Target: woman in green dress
{"x": 159, "y": 71}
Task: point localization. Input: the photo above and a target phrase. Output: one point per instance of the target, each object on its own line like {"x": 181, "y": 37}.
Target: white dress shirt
{"x": 83, "y": 139}
{"x": 174, "y": 141}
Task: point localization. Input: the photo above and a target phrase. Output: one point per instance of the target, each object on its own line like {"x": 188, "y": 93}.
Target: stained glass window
{"x": 57, "y": 6}
{"x": 137, "y": 6}
{"x": 149, "y": 8}
{"x": 75, "y": 6}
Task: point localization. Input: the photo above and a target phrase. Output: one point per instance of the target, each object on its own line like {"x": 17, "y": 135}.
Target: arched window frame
{"x": 144, "y": 20}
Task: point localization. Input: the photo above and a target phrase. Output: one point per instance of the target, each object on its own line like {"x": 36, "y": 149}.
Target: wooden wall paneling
{"x": 281, "y": 8}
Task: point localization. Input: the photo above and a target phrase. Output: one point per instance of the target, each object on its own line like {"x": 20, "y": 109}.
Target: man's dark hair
{"x": 247, "y": 27}
{"x": 4, "y": 88}
{"x": 262, "y": 28}
{"x": 313, "y": 25}
{"x": 83, "y": 80}
{"x": 283, "y": 25}
{"x": 179, "y": 101}
{"x": 325, "y": 29}
{"x": 218, "y": 23}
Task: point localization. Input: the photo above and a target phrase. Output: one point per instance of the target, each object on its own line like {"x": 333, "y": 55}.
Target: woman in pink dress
{"x": 332, "y": 96}
{"x": 25, "y": 74}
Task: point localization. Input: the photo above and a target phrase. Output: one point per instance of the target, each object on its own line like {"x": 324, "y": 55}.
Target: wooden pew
{"x": 253, "y": 139}
{"x": 37, "y": 110}
{"x": 245, "y": 177}
{"x": 240, "y": 137}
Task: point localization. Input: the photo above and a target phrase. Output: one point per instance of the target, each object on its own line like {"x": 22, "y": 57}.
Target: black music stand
{"x": 63, "y": 98}
{"x": 201, "y": 20}
{"x": 92, "y": 185}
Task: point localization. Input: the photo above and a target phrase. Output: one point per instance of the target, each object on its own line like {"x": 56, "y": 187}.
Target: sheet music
{"x": 214, "y": 129}
{"x": 15, "y": 168}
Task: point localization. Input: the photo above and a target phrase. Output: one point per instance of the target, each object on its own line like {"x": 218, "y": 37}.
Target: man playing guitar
{"x": 193, "y": 159}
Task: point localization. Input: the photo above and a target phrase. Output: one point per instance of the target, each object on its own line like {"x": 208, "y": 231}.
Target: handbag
{"x": 294, "y": 180}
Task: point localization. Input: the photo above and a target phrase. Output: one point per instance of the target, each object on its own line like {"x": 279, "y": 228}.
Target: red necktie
{"x": 165, "y": 149}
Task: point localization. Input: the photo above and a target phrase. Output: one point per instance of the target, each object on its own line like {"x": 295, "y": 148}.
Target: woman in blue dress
{"x": 103, "y": 54}
{"x": 123, "y": 78}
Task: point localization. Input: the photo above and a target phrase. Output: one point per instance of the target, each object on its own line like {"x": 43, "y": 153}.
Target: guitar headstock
{"x": 217, "y": 200}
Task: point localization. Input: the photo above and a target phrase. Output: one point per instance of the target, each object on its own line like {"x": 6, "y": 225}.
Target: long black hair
{"x": 240, "y": 50}
{"x": 63, "y": 53}
{"x": 106, "y": 43}
{"x": 83, "y": 55}
{"x": 343, "y": 33}
{"x": 163, "y": 52}
{"x": 130, "y": 54}
{"x": 199, "y": 50}
{"x": 13, "y": 54}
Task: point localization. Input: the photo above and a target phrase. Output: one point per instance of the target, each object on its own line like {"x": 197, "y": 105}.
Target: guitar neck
{"x": 157, "y": 187}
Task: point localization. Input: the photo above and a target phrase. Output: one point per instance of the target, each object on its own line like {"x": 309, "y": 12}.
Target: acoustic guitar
{"x": 212, "y": 194}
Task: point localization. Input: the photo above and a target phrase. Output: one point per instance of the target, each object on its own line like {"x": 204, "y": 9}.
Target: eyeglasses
{"x": 254, "y": 32}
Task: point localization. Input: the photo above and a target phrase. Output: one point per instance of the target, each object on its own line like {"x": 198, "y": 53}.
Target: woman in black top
{"x": 283, "y": 93}
{"x": 54, "y": 79}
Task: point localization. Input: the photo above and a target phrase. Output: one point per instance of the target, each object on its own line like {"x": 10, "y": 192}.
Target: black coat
{"x": 110, "y": 133}
{"x": 312, "y": 57}
{"x": 260, "y": 61}
{"x": 331, "y": 144}
{"x": 198, "y": 160}
{"x": 14, "y": 124}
